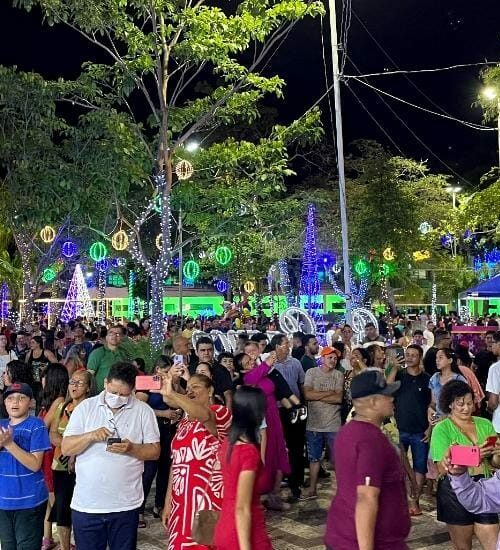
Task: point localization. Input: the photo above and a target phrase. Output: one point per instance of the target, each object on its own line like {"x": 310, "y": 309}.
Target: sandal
{"x": 156, "y": 512}
{"x": 415, "y": 511}
{"x": 142, "y": 524}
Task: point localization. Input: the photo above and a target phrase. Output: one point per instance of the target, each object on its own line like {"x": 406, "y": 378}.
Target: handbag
{"x": 204, "y": 522}
{"x": 204, "y": 526}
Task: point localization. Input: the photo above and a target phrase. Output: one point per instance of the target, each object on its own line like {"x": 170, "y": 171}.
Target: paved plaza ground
{"x": 303, "y": 527}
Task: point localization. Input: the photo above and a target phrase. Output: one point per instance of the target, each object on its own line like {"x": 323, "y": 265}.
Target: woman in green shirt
{"x": 461, "y": 428}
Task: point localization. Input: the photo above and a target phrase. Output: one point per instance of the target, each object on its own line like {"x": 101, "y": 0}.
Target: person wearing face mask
{"x": 111, "y": 435}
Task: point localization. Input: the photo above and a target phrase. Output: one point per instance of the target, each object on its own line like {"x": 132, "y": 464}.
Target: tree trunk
{"x": 156, "y": 311}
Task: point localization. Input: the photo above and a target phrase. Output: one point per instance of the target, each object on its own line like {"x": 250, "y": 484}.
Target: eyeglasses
{"x": 17, "y": 398}
{"x": 77, "y": 383}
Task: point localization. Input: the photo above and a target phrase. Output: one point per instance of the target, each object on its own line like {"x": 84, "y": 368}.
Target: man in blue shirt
{"x": 23, "y": 493}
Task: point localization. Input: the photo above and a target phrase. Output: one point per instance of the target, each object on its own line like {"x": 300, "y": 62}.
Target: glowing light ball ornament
{"x": 388, "y": 254}
{"x": 249, "y": 286}
{"x": 119, "y": 241}
{"x": 191, "y": 270}
{"x": 421, "y": 255}
{"x": 98, "y": 251}
{"x": 184, "y": 170}
{"x": 48, "y": 234}
{"x": 361, "y": 267}
{"x": 159, "y": 241}
{"x": 69, "y": 249}
{"x": 223, "y": 255}
{"x": 48, "y": 275}
{"x": 424, "y": 228}
{"x": 221, "y": 286}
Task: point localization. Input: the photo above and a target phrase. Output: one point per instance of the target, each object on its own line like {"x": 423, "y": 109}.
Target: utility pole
{"x": 340, "y": 160}
{"x": 181, "y": 266}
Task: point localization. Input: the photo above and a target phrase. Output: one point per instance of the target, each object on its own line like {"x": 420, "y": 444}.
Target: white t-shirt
{"x": 493, "y": 386}
{"x": 109, "y": 482}
{"x": 429, "y": 338}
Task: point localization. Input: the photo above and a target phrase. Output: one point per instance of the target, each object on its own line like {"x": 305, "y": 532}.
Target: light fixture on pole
{"x": 491, "y": 94}
{"x": 454, "y": 190}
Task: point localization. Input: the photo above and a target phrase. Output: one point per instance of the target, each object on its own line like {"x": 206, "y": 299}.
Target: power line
{"x": 382, "y": 49}
{"x": 442, "y": 115}
{"x": 418, "y": 71}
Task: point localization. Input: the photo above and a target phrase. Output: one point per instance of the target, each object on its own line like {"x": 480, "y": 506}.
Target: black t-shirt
{"x": 411, "y": 402}
{"x": 483, "y": 359}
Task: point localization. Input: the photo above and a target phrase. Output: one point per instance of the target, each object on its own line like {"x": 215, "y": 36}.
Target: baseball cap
{"x": 372, "y": 382}
{"x": 327, "y": 350}
{"x": 18, "y": 388}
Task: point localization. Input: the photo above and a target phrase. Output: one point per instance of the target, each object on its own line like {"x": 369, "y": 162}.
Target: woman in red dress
{"x": 241, "y": 525}
{"x": 193, "y": 484}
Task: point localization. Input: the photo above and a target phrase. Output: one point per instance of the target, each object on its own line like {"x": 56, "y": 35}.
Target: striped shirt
{"x": 21, "y": 488}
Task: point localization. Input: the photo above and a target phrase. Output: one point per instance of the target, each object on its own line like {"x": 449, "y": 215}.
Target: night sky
{"x": 405, "y": 34}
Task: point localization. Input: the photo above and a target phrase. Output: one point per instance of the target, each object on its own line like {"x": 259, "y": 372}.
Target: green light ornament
{"x": 48, "y": 275}
{"x": 387, "y": 269}
{"x": 98, "y": 251}
{"x": 191, "y": 270}
{"x": 361, "y": 267}
{"x": 223, "y": 255}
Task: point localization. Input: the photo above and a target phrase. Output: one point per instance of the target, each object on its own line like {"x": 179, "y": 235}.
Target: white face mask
{"x": 115, "y": 401}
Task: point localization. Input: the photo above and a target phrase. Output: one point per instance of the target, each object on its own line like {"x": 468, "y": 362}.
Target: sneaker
{"x": 294, "y": 415}
{"x": 303, "y": 413}
{"x": 48, "y": 543}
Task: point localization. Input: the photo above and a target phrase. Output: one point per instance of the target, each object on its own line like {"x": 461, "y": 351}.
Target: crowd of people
{"x": 88, "y": 423}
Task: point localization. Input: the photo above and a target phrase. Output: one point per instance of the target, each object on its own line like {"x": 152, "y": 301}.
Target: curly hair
{"x": 452, "y": 390}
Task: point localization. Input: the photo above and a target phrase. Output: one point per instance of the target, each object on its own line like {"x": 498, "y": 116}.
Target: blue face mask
{"x": 115, "y": 401}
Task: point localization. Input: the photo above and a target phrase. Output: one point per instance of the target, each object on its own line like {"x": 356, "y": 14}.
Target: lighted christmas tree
{"x": 309, "y": 280}
{"x": 77, "y": 302}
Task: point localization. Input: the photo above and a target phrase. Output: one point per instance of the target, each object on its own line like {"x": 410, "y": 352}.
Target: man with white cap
{"x": 370, "y": 509}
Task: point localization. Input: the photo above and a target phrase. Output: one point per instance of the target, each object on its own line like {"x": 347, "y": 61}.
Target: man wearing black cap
{"x": 369, "y": 510}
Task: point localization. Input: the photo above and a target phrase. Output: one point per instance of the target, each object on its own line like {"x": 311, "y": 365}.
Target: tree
{"x": 156, "y": 51}
{"x": 57, "y": 173}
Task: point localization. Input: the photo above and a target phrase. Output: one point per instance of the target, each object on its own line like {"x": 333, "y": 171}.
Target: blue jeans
{"x": 118, "y": 530}
{"x": 22, "y": 529}
{"x": 317, "y": 443}
{"x": 419, "y": 450}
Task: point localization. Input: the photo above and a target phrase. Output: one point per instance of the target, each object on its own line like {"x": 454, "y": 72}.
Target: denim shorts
{"x": 419, "y": 450}
{"x": 317, "y": 443}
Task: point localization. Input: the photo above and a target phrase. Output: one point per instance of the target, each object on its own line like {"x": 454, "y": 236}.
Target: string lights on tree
{"x": 309, "y": 279}
{"x": 4, "y": 302}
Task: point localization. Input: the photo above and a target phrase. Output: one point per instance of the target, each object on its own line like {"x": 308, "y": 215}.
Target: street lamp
{"x": 454, "y": 189}
{"x": 490, "y": 93}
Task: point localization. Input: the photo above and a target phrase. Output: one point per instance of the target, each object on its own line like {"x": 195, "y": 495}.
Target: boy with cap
{"x": 323, "y": 390}
{"x": 23, "y": 494}
{"x": 369, "y": 510}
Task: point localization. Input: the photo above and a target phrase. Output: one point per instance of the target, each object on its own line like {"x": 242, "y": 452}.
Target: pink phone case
{"x": 147, "y": 383}
{"x": 465, "y": 456}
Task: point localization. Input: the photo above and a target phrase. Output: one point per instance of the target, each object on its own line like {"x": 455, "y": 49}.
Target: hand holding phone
{"x": 491, "y": 441}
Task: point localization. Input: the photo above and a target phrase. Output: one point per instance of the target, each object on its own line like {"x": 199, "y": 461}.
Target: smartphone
{"x": 462, "y": 455}
{"x": 112, "y": 440}
{"x": 147, "y": 383}
{"x": 178, "y": 359}
{"x": 491, "y": 441}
